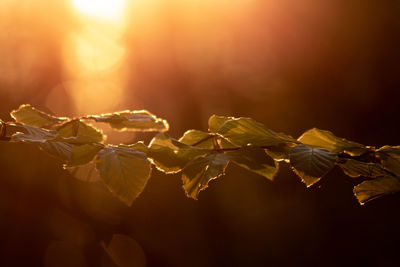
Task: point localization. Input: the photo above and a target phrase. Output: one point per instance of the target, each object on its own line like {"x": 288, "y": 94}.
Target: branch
{"x": 259, "y": 149}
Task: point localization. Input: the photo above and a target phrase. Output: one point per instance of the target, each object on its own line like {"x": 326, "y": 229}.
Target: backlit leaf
{"x": 256, "y": 160}
{"x": 29, "y": 115}
{"x": 140, "y": 146}
{"x": 215, "y": 122}
{"x": 125, "y": 171}
{"x": 137, "y": 120}
{"x": 246, "y": 131}
{"x": 197, "y": 173}
{"x": 205, "y": 140}
{"x": 70, "y": 154}
{"x": 375, "y": 188}
{"x": 86, "y": 173}
{"x": 82, "y": 154}
{"x": 198, "y": 139}
{"x": 10, "y": 128}
{"x": 280, "y": 152}
{"x": 32, "y": 134}
{"x": 310, "y": 164}
{"x": 60, "y": 150}
{"x": 169, "y": 155}
{"x": 76, "y": 131}
{"x": 326, "y": 139}
{"x": 355, "y": 168}
{"x": 390, "y": 157}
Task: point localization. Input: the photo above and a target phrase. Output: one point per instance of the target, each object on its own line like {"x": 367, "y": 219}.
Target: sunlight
{"x": 96, "y": 51}
{"x": 105, "y": 9}
{"x": 94, "y": 56}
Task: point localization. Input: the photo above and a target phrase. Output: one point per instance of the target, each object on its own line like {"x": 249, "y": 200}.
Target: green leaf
{"x": 45, "y": 140}
{"x": 246, "y": 131}
{"x": 70, "y": 154}
{"x": 32, "y": 134}
{"x": 280, "y": 152}
{"x": 85, "y": 173}
{"x": 355, "y": 168}
{"x": 326, "y": 139}
{"x": 169, "y": 155}
{"x": 29, "y": 115}
{"x": 311, "y": 164}
{"x": 140, "y": 146}
{"x": 82, "y": 154}
{"x": 60, "y": 150}
{"x": 137, "y": 120}
{"x": 390, "y": 157}
{"x": 373, "y": 189}
{"x": 197, "y": 173}
{"x": 198, "y": 139}
{"x": 76, "y": 131}
{"x": 125, "y": 171}
{"x": 205, "y": 140}
{"x": 215, "y": 122}
{"x": 256, "y": 160}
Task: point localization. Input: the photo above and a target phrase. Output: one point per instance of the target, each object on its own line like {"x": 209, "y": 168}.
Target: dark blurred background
{"x": 291, "y": 65}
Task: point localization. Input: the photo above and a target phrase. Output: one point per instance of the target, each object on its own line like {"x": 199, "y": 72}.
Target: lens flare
{"x": 104, "y": 9}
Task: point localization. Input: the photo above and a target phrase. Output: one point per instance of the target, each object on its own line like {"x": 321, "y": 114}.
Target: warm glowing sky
{"x": 105, "y": 9}
{"x": 92, "y": 52}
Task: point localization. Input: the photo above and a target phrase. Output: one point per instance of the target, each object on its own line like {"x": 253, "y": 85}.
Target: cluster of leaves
{"x": 199, "y": 156}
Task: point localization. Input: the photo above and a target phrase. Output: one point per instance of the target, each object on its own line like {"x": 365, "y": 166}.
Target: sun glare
{"x": 94, "y": 56}
{"x": 105, "y": 9}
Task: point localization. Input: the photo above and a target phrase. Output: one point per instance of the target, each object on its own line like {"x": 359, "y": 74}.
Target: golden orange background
{"x": 291, "y": 65}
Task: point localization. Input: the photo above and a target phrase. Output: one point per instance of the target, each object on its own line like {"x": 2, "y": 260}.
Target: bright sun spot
{"x": 105, "y": 9}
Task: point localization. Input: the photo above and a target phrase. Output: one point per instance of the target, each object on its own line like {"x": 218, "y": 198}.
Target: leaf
{"x": 256, "y": 160}
{"x": 44, "y": 138}
{"x": 125, "y": 252}
{"x": 246, "y": 131}
{"x": 373, "y": 189}
{"x": 85, "y": 173}
{"x": 198, "y": 139}
{"x": 355, "y": 168}
{"x": 140, "y": 146}
{"x": 197, "y": 173}
{"x": 390, "y": 157}
{"x": 169, "y": 155}
{"x": 10, "y": 128}
{"x": 69, "y": 153}
{"x": 29, "y": 115}
{"x": 310, "y": 164}
{"x": 72, "y": 155}
{"x": 33, "y": 134}
{"x": 76, "y": 131}
{"x": 60, "y": 150}
{"x": 326, "y": 139}
{"x": 82, "y": 154}
{"x": 215, "y": 122}
{"x": 205, "y": 140}
{"x": 125, "y": 171}
{"x": 280, "y": 152}
{"x": 137, "y": 120}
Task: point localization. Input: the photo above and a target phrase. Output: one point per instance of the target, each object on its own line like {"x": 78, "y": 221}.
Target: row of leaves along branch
{"x": 198, "y": 155}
